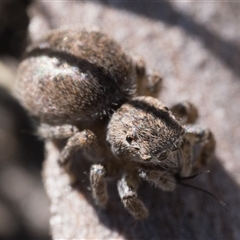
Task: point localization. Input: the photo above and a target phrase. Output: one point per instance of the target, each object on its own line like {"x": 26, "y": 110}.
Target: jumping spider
{"x": 82, "y": 87}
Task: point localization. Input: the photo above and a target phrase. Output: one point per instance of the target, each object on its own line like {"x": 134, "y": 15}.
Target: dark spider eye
{"x": 129, "y": 139}
{"x": 131, "y": 135}
{"x": 163, "y": 155}
{"x": 136, "y": 147}
{"x": 166, "y": 108}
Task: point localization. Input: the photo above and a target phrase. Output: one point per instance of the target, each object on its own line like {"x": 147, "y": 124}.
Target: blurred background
{"x": 24, "y": 210}
{"x": 195, "y": 45}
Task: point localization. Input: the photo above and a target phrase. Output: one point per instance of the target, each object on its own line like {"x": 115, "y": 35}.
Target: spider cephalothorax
{"x": 82, "y": 87}
{"x": 144, "y": 130}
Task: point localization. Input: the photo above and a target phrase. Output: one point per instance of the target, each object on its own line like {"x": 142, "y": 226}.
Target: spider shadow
{"x": 21, "y": 155}
{"x": 184, "y": 213}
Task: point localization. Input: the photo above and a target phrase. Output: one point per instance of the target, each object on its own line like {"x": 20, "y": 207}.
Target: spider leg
{"x": 195, "y": 134}
{"x": 147, "y": 84}
{"x": 185, "y": 112}
{"x": 127, "y": 188}
{"x": 186, "y": 158}
{"x": 98, "y": 174}
{"x": 98, "y": 184}
{"x": 46, "y": 131}
{"x": 162, "y": 179}
{"x": 85, "y": 141}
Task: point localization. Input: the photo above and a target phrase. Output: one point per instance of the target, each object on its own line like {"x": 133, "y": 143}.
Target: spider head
{"x": 145, "y": 131}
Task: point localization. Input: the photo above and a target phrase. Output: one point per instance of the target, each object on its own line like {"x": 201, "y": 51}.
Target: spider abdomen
{"x": 74, "y": 77}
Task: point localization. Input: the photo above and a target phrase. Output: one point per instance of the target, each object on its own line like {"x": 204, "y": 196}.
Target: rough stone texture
{"x": 196, "y": 47}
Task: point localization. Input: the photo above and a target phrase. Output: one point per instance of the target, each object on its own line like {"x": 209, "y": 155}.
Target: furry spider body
{"x": 82, "y": 87}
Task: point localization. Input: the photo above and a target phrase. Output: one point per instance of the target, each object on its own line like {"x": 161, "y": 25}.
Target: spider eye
{"x": 131, "y": 135}
{"x": 129, "y": 139}
{"x": 136, "y": 147}
{"x": 163, "y": 155}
